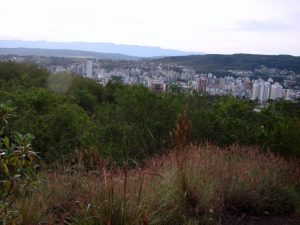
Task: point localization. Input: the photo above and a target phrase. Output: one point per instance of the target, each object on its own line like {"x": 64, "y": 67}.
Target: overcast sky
{"x": 211, "y": 26}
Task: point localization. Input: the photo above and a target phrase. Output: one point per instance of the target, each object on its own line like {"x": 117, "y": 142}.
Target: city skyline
{"x": 260, "y": 83}
{"x": 247, "y": 26}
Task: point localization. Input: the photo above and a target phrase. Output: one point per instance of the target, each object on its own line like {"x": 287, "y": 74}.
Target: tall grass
{"x": 194, "y": 186}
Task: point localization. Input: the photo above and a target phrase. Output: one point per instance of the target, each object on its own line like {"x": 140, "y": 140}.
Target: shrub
{"x": 17, "y": 168}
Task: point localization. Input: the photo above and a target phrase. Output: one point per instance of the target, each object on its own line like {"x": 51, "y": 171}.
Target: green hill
{"x": 212, "y": 62}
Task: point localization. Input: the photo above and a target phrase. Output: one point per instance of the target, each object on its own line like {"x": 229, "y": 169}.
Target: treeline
{"x": 66, "y": 114}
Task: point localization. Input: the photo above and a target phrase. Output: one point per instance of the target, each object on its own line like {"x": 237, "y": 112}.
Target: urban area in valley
{"x": 262, "y": 83}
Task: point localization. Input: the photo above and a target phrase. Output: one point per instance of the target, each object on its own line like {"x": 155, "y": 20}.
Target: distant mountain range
{"x": 63, "y": 53}
{"x": 120, "y": 49}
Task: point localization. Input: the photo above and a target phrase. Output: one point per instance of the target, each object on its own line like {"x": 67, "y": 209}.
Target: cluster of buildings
{"x": 228, "y": 85}
{"x": 84, "y": 69}
{"x": 265, "y": 90}
{"x": 240, "y": 87}
{"x": 244, "y": 87}
{"x": 160, "y": 77}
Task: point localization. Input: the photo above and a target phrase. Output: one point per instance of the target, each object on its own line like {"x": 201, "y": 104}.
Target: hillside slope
{"x": 236, "y": 61}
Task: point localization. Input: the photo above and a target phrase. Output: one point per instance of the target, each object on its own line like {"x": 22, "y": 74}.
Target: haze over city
{"x": 214, "y": 26}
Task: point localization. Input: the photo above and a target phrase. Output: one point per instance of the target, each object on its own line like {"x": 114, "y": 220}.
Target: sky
{"x": 211, "y": 26}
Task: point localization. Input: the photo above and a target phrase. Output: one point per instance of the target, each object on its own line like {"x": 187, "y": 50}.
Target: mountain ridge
{"x": 64, "y": 53}
{"x": 129, "y": 50}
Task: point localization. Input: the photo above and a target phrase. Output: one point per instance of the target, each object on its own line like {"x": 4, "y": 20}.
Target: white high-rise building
{"x": 276, "y": 91}
{"x": 261, "y": 90}
{"x": 222, "y": 83}
{"x": 89, "y": 69}
{"x": 256, "y": 90}
{"x": 267, "y": 91}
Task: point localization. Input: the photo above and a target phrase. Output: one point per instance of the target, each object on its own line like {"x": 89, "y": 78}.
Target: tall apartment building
{"x": 89, "y": 69}
{"x": 256, "y": 90}
{"x": 276, "y": 91}
{"x": 261, "y": 90}
{"x": 201, "y": 84}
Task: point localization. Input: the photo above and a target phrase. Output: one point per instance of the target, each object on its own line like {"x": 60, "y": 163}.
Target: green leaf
{"x": 5, "y": 186}
{"x": 6, "y": 142}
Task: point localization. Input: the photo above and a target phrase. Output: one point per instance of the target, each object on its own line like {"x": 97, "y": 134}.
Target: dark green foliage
{"x": 86, "y": 100}
{"x": 137, "y": 124}
{"x": 87, "y": 86}
{"x": 214, "y": 62}
{"x": 14, "y": 75}
{"x": 58, "y": 121}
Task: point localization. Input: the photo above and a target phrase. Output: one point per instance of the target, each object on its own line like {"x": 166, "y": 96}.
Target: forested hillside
{"x": 211, "y": 62}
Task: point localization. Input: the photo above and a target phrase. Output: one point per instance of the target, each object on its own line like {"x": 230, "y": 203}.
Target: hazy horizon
{"x": 244, "y": 26}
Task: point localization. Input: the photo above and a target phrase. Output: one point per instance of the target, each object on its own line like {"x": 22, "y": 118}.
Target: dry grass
{"x": 193, "y": 186}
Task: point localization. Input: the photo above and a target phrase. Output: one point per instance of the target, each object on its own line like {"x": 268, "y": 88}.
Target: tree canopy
{"x": 131, "y": 122}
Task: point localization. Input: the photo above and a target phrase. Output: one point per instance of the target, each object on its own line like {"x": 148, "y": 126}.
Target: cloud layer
{"x": 213, "y": 26}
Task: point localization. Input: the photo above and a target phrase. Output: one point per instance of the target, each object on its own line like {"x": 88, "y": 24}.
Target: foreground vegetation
{"x": 195, "y": 186}
{"x": 106, "y": 157}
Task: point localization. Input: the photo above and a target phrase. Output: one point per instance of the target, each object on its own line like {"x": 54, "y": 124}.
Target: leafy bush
{"x": 17, "y": 167}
